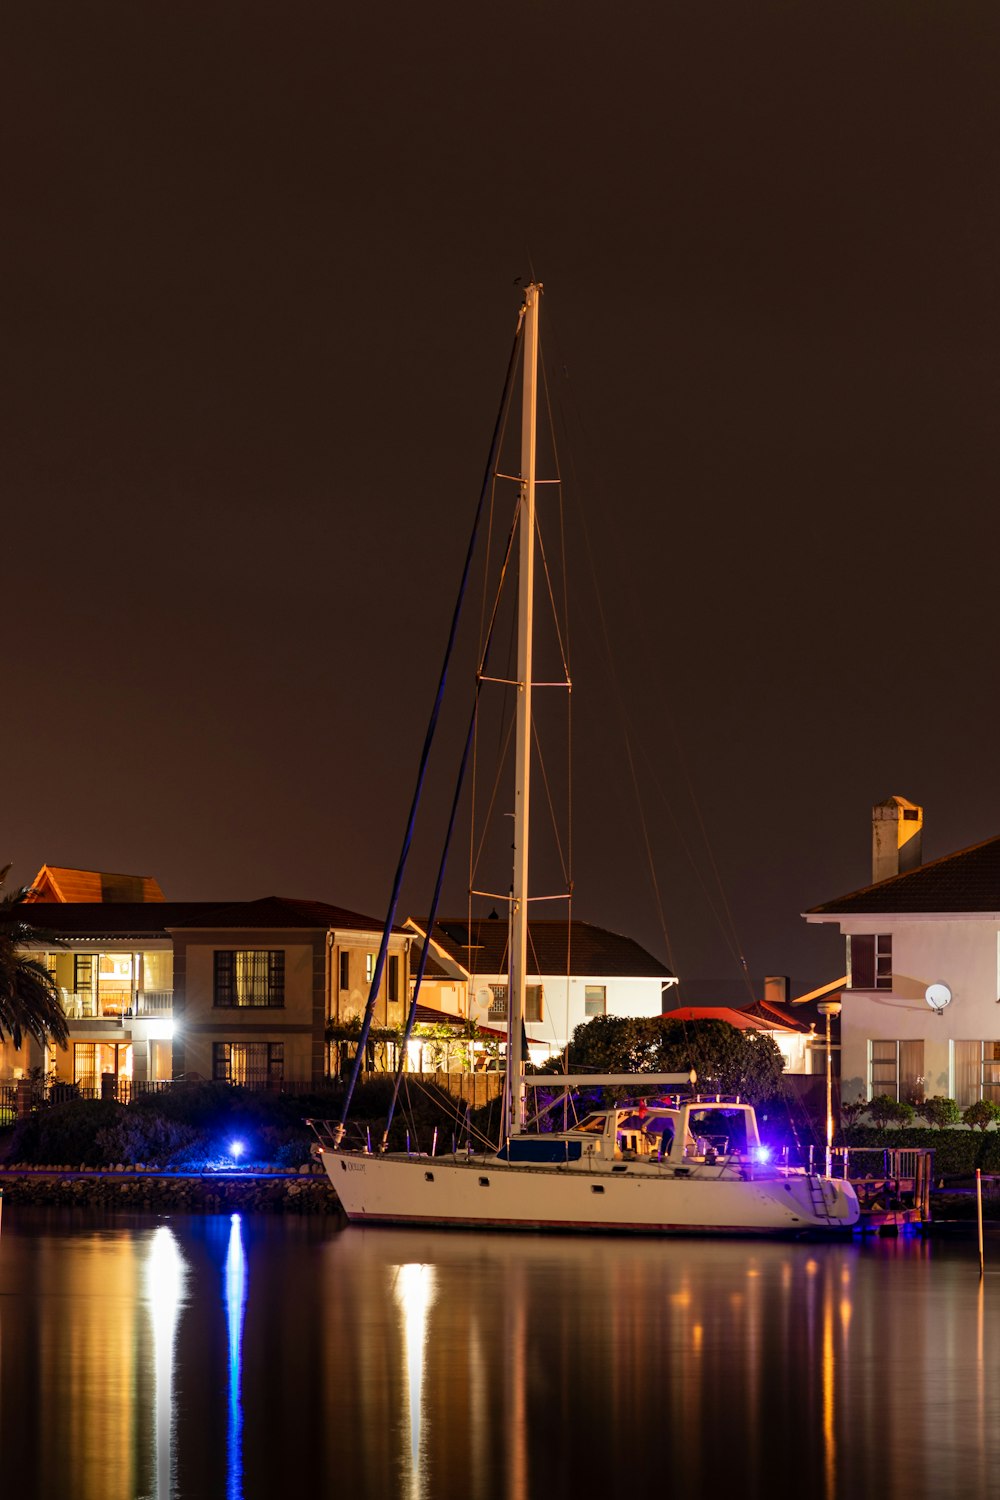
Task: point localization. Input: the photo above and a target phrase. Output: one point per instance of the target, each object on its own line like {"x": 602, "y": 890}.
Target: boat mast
{"x": 522, "y": 755}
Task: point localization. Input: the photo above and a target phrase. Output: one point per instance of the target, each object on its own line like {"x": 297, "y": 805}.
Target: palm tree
{"x": 29, "y": 999}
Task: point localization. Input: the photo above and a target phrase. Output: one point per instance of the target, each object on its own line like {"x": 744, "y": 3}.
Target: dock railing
{"x": 901, "y": 1174}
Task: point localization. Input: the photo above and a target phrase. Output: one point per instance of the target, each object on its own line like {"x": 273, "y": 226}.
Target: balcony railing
{"x": 117, "y": 1005}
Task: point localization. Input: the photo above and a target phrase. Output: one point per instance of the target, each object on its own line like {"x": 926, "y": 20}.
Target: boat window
{"x": 721, "y": 1125}
{"x": 595, "y": 1123}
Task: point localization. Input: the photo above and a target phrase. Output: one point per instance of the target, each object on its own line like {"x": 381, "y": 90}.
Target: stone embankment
{"x": 145, "y": 1190}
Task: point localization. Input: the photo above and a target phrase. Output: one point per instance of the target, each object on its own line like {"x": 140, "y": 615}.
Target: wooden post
{"x": 979, "y": 1217}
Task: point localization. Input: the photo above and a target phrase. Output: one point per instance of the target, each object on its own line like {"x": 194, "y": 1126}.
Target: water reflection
{"x": 414, "y": 1288}
{"x": 385, "y": 1363}
{"x": 236, "y": 1297}
{"x": 164, "y": 1291}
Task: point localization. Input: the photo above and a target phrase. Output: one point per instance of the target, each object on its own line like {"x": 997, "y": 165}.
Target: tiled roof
{"x": 744, "y": 1020}
{"x": 156, "y": 919}
{"x": 774, "y": 1017}
{"x": 90, "y": 919}
{"x": 281, "y": 911}
{"x": 966, "y": 881}
{"x": 553, "y": 948}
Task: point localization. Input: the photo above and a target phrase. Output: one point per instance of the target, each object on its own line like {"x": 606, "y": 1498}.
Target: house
{"x": 576, "y": 971}
{"x": 920, "y": 1010}
{"x": 240, "y": 993}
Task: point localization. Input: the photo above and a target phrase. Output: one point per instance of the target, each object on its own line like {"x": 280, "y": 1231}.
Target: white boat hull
{"x": 492, "y": 1193}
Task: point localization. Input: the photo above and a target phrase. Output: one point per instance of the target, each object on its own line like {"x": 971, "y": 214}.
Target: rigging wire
{"x": 725, "y": 919}
{"x": 431, "y": 728}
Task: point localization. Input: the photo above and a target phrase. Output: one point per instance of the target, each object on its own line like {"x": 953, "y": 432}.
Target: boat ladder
{"x": 821, "y": 1207}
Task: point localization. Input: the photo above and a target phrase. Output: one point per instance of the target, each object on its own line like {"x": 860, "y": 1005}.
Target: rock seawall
{"x": 170, "y": 1193}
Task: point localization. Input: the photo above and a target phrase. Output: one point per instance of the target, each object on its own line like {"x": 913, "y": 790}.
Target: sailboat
{"x": 676, "y": 1164}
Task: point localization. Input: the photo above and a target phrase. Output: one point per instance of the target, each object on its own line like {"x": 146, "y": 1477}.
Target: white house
{"x": 921, "y": 1007}
{"x": 576, "y": 971}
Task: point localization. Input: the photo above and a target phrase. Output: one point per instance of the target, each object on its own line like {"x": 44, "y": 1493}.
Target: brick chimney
{"x": 897, "y": 838}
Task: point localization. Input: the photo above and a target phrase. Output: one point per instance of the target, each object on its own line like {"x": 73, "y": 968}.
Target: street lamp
{"x": 829, "y": 1008}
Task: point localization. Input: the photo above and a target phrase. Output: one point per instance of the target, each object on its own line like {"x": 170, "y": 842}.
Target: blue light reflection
{"x": 236, "y": 1299}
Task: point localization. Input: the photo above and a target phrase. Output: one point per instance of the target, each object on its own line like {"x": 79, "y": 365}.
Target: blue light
{"x": 762, "y": 1153}
{"x": 236, "y": 1149}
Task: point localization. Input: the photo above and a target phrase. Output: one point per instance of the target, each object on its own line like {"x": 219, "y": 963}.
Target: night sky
{"x": 259, "y": 268}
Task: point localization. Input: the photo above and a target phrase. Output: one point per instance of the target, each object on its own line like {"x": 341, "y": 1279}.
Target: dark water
{"x": 272, "y": 1357}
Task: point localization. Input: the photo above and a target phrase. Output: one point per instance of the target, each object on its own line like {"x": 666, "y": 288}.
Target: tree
{"x": 941, "y": 1112}
{"x": 982, "y": 1114}
{"x": 29, "y": 999}
{"x": 726, "y": 1059}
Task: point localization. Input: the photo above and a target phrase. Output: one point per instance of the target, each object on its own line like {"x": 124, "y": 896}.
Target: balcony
{"x": 118, "y": 1004}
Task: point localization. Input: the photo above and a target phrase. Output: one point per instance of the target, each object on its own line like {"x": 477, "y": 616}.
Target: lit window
{"x": 250, "y": 977}
{"x": 369, "y": 967}
{"x": 250, "y": 1064}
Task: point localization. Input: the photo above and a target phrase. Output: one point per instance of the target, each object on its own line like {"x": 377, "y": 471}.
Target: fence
{"x": 115, "y": 1003}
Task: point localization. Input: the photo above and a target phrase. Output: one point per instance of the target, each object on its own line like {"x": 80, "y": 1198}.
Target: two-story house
{"x": 576, "y": 971}
{"x": 921, "y": 1006}
{"x": 156, "y": 990}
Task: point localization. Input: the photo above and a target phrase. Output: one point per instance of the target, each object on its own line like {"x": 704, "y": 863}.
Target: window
{"x": 369, "y": 967}
{"x": 254, "y": 976}
{"x": 897, "y": 1069}
{"x": 393, "y": 976}
{"x": 977, "y": 1072}
{"x": 92, "y": 1060}
{"x": 532, "y": 1002}
{"x": 869, "y": 961}
{"x": 248, "y": 1062}
{"x": 345, "y": 969}
{"x": 85, "y": 1065}
{"x": 498, "y": 1005}
{"x": 595, "y": 1000}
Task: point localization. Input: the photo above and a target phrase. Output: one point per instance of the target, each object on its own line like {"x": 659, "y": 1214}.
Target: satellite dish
{"x": 937, "y": 996}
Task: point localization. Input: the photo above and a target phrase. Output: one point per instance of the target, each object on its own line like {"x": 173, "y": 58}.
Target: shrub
{"x": 886, "y": 1111}
{"x": 135, "y": 1137}
{"x": 64, "y": 1134}
{"x": 982, "y": 1114}
{"x": 940, "y": 1112}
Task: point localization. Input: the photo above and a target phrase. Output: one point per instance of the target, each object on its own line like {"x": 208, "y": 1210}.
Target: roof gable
{"x": 60, "y": 883}
{"x": 554, "y": 947}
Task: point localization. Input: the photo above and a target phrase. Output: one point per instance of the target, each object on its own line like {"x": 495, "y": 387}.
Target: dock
{"x": 893, "y": 1185}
